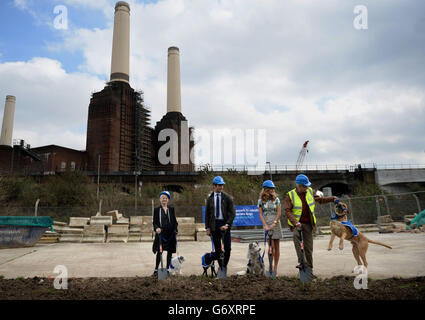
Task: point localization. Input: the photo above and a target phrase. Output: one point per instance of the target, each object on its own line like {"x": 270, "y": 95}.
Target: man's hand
{"x": 158, "y": 230}
{"x": 336, "y": 200}
{"x": 298, "y": 225}
{"x": 208, "y": 232}
{"x": 224, "y": 228}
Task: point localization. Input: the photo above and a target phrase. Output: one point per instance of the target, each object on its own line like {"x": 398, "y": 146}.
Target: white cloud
{"x": 51, "y": 104}
{"x": 299, "y": 69}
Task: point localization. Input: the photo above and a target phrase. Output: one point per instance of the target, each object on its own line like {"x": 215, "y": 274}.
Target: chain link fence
{"x": 366, "y": 210}
{"x": 363, "y": 210}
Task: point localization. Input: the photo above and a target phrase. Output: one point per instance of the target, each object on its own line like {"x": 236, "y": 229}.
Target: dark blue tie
{"x": 217, "y": 206}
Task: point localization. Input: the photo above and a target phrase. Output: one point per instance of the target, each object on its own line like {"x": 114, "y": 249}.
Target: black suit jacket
{"x": 172, "y": 218}
{"x": 227, "y": 208}
{"x": 169, "y": 243}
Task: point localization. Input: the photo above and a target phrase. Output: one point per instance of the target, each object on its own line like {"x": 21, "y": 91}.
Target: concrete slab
{"x": 135, "y": 220}
{"x": 183, "y": 220}
{"x": 406, "y": 259}
{"x": 118, "y": 229}
{"x": 101, "y": 220}
{"x": 78, "y": 221}
{"x": 94, "y": 229}
{"x": 117, "y": 238}
{"x": 71, "y": 237}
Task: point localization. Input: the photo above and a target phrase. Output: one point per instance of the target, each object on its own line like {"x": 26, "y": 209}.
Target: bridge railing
{"x": 276, "y": 168}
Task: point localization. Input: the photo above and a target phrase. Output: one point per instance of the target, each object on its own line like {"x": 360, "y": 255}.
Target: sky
{"x": 300, "y": 69}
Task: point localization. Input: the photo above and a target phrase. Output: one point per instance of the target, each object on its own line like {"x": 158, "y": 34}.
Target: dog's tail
{"x": 379, "y": 243}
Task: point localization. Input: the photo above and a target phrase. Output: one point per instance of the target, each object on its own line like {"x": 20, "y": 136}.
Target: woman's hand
{"x": 158, "y": 230}
{"x": 273, "y": 226}
{"x": 266, "y": 228}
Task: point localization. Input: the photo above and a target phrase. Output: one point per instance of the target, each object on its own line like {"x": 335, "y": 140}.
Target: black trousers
{"x": 158, "y": 259}
{"x": 217, "y": 236}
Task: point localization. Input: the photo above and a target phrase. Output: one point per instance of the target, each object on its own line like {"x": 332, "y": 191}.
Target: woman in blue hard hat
{"x": 270, "y": 211}
{"x": 165, "y": 226}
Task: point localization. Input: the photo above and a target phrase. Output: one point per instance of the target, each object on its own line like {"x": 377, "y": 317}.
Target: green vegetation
{"x": 365, "y": 189}
{"x": 73, "y": 194}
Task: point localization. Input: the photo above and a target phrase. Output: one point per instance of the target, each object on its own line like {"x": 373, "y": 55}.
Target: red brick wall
{"x": 110, "y": 128}
{"x": 53, "y": 156}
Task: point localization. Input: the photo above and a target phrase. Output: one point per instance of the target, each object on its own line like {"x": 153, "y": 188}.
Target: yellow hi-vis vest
{"x": 298, "y": 205}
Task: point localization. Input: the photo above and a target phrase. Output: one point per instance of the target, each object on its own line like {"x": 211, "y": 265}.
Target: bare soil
{"x": 200, "y": 288}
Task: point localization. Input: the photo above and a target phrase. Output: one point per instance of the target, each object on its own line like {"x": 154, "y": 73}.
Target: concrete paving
{"x": 406, "y": 259}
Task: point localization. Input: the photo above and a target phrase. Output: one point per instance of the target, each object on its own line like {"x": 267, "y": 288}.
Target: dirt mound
{"x": 196, "y": 287}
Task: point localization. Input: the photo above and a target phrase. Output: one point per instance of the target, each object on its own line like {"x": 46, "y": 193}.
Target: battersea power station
{"x": 120, "y": 139}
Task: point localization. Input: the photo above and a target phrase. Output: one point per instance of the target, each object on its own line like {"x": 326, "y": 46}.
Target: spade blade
{"x": 222, "y": 273}
{"x": 270, "y": 274}
{"x": 162, "y": 273}
{"x": 305, "y": 274}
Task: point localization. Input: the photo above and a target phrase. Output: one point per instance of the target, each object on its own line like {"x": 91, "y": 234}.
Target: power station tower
{"x": 177, "y": 139}
{"x": 7, "y": 126}
{"x": 117, "y": 119}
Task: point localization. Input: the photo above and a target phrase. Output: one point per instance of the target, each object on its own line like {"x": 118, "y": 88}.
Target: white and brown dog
{"x": 255, "y": 263}
{"x": 176, "y": 265}
{"x": 342, "y": 228}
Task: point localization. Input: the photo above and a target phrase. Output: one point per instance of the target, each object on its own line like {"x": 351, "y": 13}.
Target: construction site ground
{"x": 123, "y": 271}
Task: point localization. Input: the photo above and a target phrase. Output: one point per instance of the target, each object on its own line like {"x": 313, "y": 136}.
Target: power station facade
{"x": 119, "y": 136}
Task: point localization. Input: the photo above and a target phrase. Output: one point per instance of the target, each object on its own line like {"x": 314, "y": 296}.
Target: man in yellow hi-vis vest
{"x": 299, "y": 209}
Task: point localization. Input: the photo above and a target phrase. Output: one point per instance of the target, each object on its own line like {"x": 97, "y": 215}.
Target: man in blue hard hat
{"x": 219, "y": 215}
{"x": 300, "y": 203}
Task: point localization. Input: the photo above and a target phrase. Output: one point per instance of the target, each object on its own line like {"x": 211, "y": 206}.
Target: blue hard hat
{"x": 218, "y": 180}
{"x": 166, "y": 193}
{"x": 268, "y": 184}
{"x": 302, "y": 179}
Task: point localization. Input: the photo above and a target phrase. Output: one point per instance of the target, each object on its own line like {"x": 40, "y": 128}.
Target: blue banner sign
{"x": 245, "y": 216}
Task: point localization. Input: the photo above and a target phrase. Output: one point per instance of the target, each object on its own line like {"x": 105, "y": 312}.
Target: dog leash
{"x": 265, "y": 241}
{"x": 177, "y": 247}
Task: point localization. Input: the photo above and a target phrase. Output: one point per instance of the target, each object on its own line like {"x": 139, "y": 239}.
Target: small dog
{"x": 342, "y": 228}
{"x": 176, "y": 265}
{"x": 255, "y": 261}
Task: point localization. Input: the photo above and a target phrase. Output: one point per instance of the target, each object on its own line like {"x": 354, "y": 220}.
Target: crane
{"x": 301, "y": 156}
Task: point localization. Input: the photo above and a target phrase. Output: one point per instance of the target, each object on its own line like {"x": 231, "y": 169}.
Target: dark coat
{"x": 169, "y": 230}
{"x": 227, "y": 208}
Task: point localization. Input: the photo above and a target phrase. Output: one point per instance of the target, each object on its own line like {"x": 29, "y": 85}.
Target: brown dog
{"x": 360, "y": 242}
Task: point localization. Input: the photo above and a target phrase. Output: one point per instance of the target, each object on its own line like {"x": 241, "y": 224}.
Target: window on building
{"x": 72, "y": 166}
{"x": 63, "y": 166}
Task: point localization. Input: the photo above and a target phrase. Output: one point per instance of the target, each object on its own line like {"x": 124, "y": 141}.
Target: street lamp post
{"x": 98, "y": 175}
{"x": 135, "y": 191}
{"x": 270, "y": 170}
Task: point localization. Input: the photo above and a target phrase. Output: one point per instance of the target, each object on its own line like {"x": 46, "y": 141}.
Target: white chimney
{"x": 120, "y": 64}
{"x": 174, "y": 103}
{"x": 8, "y": 116}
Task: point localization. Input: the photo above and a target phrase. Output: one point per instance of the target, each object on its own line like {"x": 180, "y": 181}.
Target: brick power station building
{"x": 119, "y": 136}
